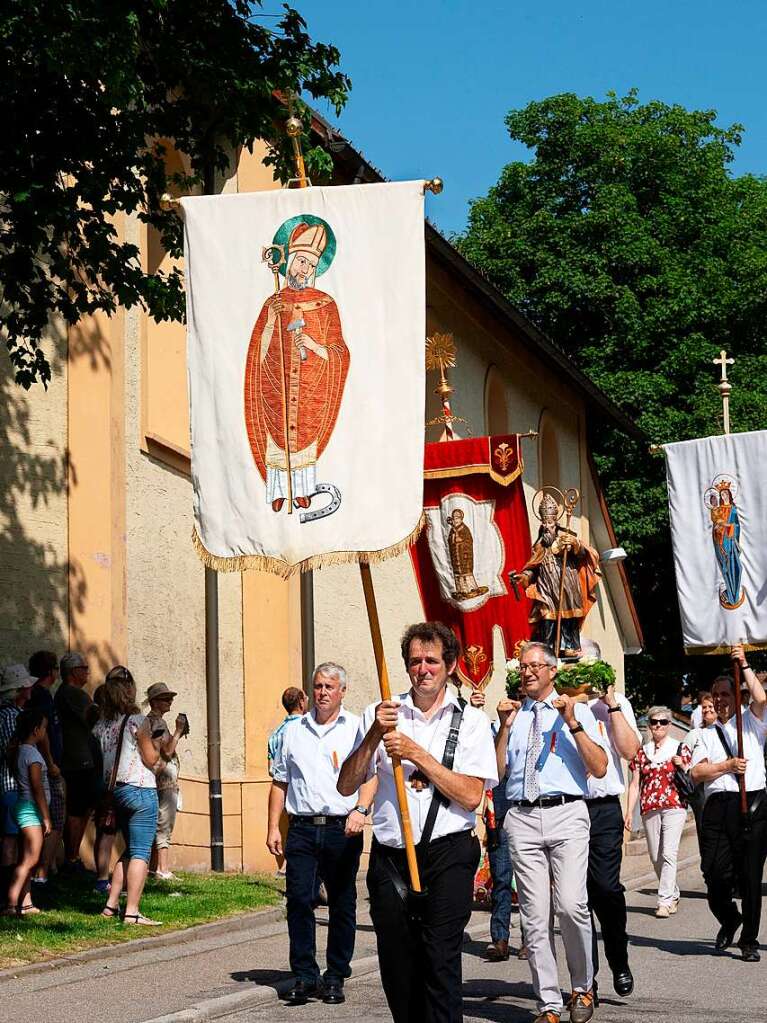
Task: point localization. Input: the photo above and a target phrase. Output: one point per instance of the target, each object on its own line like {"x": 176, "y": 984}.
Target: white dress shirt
{"x": 696, "y": 718}
{"x": 613, "y": 783}
{"x": 561, "y": 770}
{"x": 310, "y": 760}
{"x": 710, "y": 748}
{"x": 474, "y": 756}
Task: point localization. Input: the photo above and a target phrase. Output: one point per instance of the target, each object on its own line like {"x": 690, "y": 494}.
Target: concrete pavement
{"x": 233, "y": 972}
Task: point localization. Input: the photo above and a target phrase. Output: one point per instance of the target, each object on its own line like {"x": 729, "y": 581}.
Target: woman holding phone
{"x": 160, "y": 699}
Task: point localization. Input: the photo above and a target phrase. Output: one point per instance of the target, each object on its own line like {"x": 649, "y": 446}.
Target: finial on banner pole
{"x": 433, "y": 185}
{"x": 440, "y": 355}
{"x": 725, "y": 387}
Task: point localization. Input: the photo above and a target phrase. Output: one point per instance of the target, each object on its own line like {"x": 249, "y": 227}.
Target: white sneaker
{"x": 674, "y": 906}
{"x": 663, "y": 911}
{"x": 166, "y": 875}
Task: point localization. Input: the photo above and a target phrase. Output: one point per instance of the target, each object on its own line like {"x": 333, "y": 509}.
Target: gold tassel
{"x": 277, "y": 566}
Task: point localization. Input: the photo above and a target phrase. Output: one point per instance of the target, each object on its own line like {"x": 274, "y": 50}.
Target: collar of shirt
{"x": 448, "y": 700}
{"x": 313, "y": 724}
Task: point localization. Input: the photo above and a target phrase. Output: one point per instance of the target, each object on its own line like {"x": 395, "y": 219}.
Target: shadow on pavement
{"x": 480, "y": 1001}
{"x": 266, "y": 978}
{"x": 682, "y": 947}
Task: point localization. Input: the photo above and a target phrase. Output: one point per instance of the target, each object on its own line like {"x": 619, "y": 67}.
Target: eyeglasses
{"x": 655, "y": 722}
{"x": 534, "y": 666}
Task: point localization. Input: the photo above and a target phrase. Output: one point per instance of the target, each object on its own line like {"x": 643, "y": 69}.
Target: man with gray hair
{"x": 324, "y": 835}
{"x": 549, "y": 745}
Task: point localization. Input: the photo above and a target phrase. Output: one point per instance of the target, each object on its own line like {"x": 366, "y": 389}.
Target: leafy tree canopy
{"x": 627, "y": 239}
{"x": 94, "y": 96}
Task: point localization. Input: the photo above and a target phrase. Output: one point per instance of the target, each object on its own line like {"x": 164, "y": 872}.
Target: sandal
{"x": 110, "y": 911}
{"x": 22, "y": 910}
{"x": 139, "y": 918}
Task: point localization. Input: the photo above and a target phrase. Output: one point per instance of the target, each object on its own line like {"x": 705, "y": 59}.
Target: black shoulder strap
{"x": 723, "y": 739}
{"x": 448, "y": 759}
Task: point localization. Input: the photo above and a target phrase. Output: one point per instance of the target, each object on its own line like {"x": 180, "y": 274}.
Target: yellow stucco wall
{"x": 34, "y": 595}
{"x": 136, "y": 590}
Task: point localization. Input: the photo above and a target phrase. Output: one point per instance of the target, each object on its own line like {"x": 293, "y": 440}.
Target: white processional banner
{"x": 306, "y": 328}
{"x": 718, "y": 507}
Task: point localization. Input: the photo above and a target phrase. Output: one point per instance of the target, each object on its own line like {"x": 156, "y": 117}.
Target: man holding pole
{"x": 734, "y": 843}
{"x": 447, "y": 752}
{"x": 550, "y": 745}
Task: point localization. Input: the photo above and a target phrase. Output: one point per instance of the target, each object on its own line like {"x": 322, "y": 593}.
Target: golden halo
{"x": 558, "y": 496}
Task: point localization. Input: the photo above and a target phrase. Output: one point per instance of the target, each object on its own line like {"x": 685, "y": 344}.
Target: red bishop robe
{"x": 313, "y": 388}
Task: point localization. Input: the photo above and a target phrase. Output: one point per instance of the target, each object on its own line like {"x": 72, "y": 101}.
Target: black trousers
{"x": 421, "y": 964}
{"x": 324, "y": 852}
{"x": 732, "y": 853}
{"x": 606, "y": 893}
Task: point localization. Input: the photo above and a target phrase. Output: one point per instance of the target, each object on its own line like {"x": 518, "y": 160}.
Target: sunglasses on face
{"x": 655, "y": 722}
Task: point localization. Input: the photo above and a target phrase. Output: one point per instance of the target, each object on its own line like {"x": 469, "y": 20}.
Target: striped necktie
{"x": 534, "y": 746}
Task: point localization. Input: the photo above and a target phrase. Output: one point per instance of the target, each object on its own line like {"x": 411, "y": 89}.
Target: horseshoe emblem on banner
{"x": 328, "y": 509}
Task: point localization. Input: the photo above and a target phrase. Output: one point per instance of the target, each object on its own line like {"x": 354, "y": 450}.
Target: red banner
{"x": 476, "y": 533}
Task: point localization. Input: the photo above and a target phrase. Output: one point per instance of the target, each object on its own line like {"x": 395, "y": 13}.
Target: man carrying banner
{"x": 733, "y": 846}
{"x": 447, "y": 753}
{"x": 550, "y": 744}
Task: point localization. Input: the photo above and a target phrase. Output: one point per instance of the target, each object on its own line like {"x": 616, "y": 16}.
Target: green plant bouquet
{"x": 586, "y": 676}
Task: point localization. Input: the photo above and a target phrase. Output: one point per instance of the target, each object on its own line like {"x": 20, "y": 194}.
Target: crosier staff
{"x": 571, "y": 497}
{"x": 274, "y": 257}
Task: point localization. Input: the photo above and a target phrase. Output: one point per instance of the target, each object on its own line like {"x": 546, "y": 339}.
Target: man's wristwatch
{"x": 615, "y": 709}
{"x": 578, "y": 728}
{"x": 364, "y": 810}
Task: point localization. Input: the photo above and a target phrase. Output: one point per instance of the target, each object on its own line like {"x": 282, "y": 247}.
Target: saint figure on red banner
{"x": 296, "y": 367}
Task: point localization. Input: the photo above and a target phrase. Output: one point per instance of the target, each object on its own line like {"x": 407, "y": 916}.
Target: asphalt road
{"x": 678, "y": 977}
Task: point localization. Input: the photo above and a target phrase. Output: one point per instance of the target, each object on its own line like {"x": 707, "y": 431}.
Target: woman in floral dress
{"x": 663, "y": 812}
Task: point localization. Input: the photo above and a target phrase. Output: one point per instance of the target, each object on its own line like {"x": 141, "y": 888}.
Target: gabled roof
{"x": 358, "y": 170}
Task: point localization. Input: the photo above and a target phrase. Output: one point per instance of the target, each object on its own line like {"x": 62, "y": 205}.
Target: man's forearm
{"x": 592, "y": 755}
{"x": 355, "y": 768}
{"x": 367, "y": 792}
{"x": 623, "y": 736}
{"x": 710, "y": 772}
{"x": 501, "y": 749}
{"x": 463, "y": 789}
{"x": 276, "y": 804}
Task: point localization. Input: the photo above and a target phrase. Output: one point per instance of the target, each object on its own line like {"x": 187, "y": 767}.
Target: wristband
{"x": 578, "y": 728}
{"x": 615, "y": 710}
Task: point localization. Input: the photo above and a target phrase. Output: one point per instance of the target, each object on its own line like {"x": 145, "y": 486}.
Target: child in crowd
{"x": 32, "y": 813}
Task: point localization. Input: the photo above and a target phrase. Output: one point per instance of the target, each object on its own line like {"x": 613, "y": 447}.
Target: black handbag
{"x": 685, "y": 786}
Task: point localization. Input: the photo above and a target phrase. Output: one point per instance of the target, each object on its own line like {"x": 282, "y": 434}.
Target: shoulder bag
{"x": 106, "y": 815}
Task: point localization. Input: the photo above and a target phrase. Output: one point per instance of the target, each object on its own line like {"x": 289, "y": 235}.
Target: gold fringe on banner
{"x": 277, "y": 566}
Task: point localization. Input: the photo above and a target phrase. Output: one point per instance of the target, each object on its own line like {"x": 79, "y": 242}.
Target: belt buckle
{"x": 320, "y": 820}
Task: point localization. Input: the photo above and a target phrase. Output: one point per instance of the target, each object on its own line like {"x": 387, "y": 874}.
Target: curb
{"x": 225, "y": 1005}
{"x": 228, "y": 925}
{"x": 633, "y": 884}
{"x": 216, "y": 1008}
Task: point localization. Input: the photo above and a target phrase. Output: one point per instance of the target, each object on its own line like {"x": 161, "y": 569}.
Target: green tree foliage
{"x": 629, "y": 242}
{"x": 94, "y": 94}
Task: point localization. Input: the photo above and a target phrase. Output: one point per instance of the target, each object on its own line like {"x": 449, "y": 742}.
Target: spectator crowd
{"x": 68, "y": 757}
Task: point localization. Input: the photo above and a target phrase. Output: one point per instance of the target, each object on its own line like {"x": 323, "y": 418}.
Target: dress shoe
{"x": 547, "y": 1017}
{"x": 623, "y": 982}
{"x": 300, "y": 993}
{"x": 333, "y": 993}
{"x": 498, "y": 951}
{"x": 277, "y": 503}
{"x": 581, "y": 1006}
{"x": 673, "y": 907}
{"x": 726, "y": 934}
{"x": 662, "y": 912}
{"x": 750, "y": 952}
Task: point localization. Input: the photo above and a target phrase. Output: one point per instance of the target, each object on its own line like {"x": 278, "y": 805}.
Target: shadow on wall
{"x": 36, "y": 598}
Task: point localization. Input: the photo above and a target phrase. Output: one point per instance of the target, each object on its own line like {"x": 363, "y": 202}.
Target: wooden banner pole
{"x": 725, "y": 387}
{"x": 383, "y": 683}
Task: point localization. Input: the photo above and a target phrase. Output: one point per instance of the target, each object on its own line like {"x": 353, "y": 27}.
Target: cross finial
{"x": 723, "y": 362}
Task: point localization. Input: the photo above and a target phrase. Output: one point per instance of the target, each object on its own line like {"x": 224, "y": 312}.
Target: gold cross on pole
{"x": 724, "y": 387}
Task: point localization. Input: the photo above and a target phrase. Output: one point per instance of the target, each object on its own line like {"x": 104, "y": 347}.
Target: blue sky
{"x": 433, "y": 80}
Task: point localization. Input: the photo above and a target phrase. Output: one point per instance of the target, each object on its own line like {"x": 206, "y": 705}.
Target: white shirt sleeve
{"x": 628, "y": 713}
{"x": 700, "y": 750}
{"x": 475, "y": 753}
{"x": 757, "y": 725}
{"x": 585, "y": 717}
{"x": 279, "y": 766}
